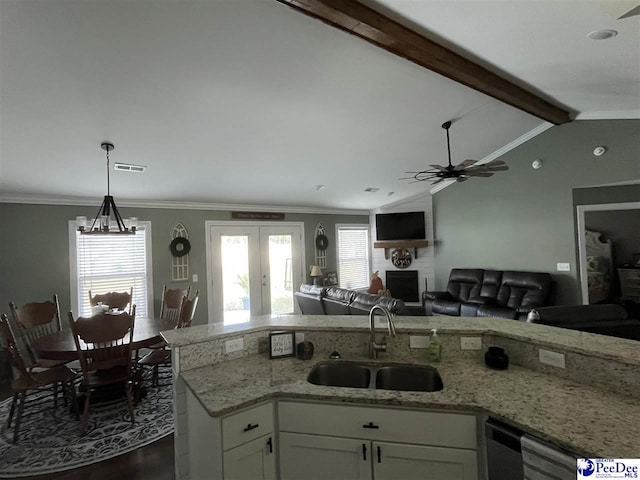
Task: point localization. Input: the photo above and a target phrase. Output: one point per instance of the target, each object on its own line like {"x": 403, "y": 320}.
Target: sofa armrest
{"x": 436, "y": 296}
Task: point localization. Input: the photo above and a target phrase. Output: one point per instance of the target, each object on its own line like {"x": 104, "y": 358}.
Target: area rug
{"x": 50, "y": 440}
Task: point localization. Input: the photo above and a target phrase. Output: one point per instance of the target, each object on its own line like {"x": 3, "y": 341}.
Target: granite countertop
{"x": 586, "y": 420}
{"x": 609, "y": 348}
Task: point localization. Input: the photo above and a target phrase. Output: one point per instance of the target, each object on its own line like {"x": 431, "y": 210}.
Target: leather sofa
{"x": 489, "y": 293}
{"x": 605, "y": 319}
{"x": 315, "y": 300}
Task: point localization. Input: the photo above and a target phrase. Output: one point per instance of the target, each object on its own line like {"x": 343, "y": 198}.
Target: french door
{"x": 253, "y": 269}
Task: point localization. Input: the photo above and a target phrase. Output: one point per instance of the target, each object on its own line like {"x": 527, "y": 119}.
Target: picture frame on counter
{"x": 282, "y": 344}
{"x": 331, "y": 279}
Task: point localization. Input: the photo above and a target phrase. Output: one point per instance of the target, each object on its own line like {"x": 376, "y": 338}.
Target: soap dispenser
{"x": 434, "y": 352}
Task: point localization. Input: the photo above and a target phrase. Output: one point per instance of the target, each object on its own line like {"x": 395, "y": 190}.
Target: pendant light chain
{"x": 108, "y": 176}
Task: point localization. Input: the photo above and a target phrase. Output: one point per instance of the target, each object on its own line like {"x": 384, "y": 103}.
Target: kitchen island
{"x": 588, "y": 407}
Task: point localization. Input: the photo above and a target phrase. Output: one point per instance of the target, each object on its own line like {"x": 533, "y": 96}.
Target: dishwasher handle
{"x": 504, "y": 435}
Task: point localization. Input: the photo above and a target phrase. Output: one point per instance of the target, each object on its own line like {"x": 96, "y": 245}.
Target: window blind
{"x": 112, "y": 263}
{"x": 353, "y": 256}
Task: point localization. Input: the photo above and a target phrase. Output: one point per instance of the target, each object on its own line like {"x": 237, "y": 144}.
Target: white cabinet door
{"x": 254, "y": 460}
{"x": 314, "y": 457}
{"x": 392, "y": 461}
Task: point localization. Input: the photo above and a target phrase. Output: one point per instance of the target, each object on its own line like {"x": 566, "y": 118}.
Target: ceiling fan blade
{"x": 500, "y": 168}
{"x": 631, "y": 13}
{"x": 439, "y": 167}
{"x": 495, "y": 162}
{"x": 464, "y": 164}
{"x": 462, "y": 179}
{"x": 479, "y": 174}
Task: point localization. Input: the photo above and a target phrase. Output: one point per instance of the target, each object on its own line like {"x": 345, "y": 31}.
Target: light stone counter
{"x": 591, "y": 408}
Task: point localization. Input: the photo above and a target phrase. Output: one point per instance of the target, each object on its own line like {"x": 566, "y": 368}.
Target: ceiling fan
{"x": 634, "y": 11}
{"x": 461, "y": 172}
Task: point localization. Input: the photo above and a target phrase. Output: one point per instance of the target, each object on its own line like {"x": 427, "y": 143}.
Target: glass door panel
{"x": 280, "y": 287}
{"x": 236, "y": 295}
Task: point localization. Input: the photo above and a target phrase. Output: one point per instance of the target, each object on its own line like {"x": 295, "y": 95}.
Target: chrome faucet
{"x": 374, "y": 347}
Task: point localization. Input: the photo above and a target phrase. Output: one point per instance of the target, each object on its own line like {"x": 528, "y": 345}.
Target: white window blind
{"x": 113, "y": 263}
{"x": 353, "y": 255}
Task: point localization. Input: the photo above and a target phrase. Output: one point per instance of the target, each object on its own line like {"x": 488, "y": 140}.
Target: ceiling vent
{"x": 126, "y": 167}
{"x": 371, "y": 189}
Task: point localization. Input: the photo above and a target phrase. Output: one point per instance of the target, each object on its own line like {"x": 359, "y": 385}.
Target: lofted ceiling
{"x": 252, "y": 102}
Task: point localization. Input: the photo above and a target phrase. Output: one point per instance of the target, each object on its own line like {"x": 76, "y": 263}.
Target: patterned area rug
{"x": 50, "y": 440}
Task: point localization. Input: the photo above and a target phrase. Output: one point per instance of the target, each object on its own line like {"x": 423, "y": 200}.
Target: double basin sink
{"x": 412, "y": 378}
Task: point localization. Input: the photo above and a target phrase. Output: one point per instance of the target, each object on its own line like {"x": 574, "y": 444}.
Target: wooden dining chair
{"x": 162, "y": 356}
{"x": 34, "y": 320}
{"x": 117, "y": 300}
{"x": 34, "y": 380}
{"x": 172, "y": 300}
{"x": 104, "y": 345}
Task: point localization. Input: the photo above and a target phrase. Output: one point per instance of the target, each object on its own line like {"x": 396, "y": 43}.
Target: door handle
{"x": 270, "y": 444}
{"x": 379, "y": 454}
{"x": 364, "y": 451}
{"x": 371, "y": 425}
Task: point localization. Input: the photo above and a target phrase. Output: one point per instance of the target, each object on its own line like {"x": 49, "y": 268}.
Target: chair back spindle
{"x": 172, "y": 300}
{"x": 34, "y": 320}
{"x": 188, "y": 311}
{"x": 118, "y": 300}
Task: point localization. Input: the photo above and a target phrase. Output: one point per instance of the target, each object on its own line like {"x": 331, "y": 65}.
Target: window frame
{"x": 354, "y": 226}
{"x": 73, "y": 266}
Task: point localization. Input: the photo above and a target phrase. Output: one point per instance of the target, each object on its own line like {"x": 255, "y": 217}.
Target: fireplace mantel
{"x": 388, "y": 244}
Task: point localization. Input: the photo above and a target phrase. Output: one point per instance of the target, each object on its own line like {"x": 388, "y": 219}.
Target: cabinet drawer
{"x": 406, "y": 426}
{"x": 247, "y": 425}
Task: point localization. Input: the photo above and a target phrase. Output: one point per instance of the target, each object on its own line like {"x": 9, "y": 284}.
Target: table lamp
{"x": 316, "y": 274}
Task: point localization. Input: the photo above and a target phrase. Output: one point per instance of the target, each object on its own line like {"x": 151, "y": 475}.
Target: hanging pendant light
{"x": 108, "y": 212}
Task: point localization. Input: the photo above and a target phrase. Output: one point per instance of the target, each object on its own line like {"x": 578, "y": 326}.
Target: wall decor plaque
{"x": 401, "y": 258}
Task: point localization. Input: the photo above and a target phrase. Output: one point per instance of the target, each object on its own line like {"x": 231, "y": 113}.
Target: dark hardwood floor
{"x": 155, "y": 461}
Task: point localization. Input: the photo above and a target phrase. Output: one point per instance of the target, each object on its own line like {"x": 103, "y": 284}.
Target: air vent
{"x": 126, "y": 167}
{"x": 371, "y": 189}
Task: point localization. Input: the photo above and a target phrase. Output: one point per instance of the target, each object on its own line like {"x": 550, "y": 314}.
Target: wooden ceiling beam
{"x": 358, "y": 19}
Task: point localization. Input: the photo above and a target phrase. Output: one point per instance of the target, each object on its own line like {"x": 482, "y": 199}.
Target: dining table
{"x": 61, "y": 345}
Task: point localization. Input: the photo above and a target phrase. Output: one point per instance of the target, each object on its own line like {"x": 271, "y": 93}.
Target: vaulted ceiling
{"x": 254, "y": 102}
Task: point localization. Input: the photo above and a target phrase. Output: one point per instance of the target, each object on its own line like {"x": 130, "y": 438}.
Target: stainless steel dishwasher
{"x": 504, "y": 452}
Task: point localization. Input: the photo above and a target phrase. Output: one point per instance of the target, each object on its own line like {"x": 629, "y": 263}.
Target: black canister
{"x": 496, "y": 358}
{"x": 305, "y": 350}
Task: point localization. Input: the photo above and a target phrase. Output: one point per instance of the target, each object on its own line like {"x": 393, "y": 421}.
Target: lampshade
{"x": 315, "y": 271}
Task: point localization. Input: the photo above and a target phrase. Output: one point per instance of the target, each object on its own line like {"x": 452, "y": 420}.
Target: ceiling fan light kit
{"x": 461, "y": 172}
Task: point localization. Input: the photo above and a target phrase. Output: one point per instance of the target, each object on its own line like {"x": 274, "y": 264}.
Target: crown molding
{"x": 501, "y": 151}
{"x": 610, "y": 115}
{"x": 85, "y": 201}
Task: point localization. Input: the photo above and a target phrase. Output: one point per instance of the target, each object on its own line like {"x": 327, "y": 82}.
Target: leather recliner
{"x": 315, "y": 300}
{"x": 489, "y": 293}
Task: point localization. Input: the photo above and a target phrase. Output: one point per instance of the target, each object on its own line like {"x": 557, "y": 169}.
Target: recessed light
{"x": 602, "y": 34}
{"x": 371, "y": 189}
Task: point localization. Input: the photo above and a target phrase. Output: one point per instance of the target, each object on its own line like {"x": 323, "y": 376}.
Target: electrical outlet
{"x": 234, "y": 345}
{"x": 470, "y": 343}
{"x": 563, "y": 267}
{"x": 555, "y": 359}
{"x": 418, "y": 341}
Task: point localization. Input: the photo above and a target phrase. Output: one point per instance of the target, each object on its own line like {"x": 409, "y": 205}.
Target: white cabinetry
{"x": 234, "y": 447}
{"x": 320, "y": 441}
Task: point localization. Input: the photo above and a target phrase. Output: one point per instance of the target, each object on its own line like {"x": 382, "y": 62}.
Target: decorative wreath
{"x": 179, "y": 247}
{"x": 322, "y": 242}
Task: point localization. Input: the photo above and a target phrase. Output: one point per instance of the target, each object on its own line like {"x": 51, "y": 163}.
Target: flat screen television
{"x": 400, "y": 226}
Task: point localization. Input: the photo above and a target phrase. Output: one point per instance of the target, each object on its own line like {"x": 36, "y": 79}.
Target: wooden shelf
{"x": 414, "y": 244}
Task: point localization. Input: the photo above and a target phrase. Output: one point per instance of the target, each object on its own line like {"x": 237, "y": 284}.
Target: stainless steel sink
{"x": 414, "y": 378}
{"x": 340, "y": 374}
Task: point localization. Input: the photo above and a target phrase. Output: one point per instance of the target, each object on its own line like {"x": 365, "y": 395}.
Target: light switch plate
{"x": 470, "y": 343}
{"x": 194, "y": 277}
{"x": 563, "y": 267}
{"x": 555, "y": 359}
{"x": 418, "y": 341}
{"x": 234, "y": 345}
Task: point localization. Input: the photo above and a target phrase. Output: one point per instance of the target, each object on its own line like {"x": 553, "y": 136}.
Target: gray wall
{"x": 523, "y": 219}
{"x": 34, "y": 263}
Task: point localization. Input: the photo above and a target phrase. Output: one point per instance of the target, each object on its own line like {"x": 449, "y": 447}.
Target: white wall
{"x": 424, "y": 263}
